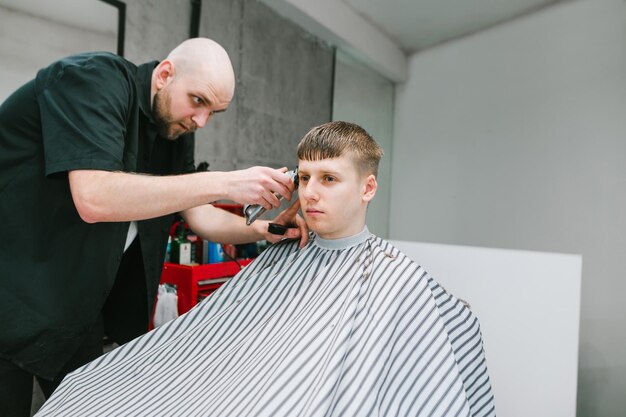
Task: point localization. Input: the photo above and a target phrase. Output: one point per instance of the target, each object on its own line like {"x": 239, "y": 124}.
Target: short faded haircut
{"x": 335, "y": 139}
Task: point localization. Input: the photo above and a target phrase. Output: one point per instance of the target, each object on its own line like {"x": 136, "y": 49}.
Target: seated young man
{"x": 347, "y": 326}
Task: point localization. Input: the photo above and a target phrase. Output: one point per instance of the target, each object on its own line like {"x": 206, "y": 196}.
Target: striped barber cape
{"x": 345, "y": 327}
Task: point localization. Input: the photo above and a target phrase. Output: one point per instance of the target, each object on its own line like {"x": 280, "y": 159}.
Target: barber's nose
{"x": 201, "y": 118}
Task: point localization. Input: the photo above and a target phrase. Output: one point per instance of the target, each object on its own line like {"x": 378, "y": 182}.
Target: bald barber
{"x": 94, "y": 163}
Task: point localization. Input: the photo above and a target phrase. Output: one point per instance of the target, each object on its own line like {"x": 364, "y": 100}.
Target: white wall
{"x": 527, "y": 336}
{"x": 29, "y": 42}
{"x": 364, "y": 97}
{"x": 516, "y": 138}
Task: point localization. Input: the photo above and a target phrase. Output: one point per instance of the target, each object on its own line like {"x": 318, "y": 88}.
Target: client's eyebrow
{"x": 319, "y": 172}
{"x": 333, "y": 173}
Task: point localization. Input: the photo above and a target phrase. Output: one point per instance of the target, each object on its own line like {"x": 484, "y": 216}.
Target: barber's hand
{"x": 297, "y": 227}
{"x": 257, "y": 185}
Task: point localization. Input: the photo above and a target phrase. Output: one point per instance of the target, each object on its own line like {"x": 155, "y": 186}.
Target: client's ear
{"x": 370, "y": 188}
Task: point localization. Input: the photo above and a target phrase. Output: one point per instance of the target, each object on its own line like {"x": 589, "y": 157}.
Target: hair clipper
{"x": 253, "y": 211}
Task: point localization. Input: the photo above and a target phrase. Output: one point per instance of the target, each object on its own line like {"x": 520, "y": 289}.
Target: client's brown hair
{"x": 334, "y": 139}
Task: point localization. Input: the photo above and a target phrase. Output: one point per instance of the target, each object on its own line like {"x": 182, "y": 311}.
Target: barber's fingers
{"x": 258, "y": 185}
{"x": 284, "y": 185}
{"x": 270, "y": 200}
{"x": 292, "y": 210}
{"x": 301, "y": 231}
{"x": 304, "y": 231}
{"x": 274, "y": 184}
{"x": 288, "y": 216}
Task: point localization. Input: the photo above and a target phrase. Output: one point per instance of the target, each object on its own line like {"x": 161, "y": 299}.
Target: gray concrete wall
{"x": 154, "y": 28}
{"x": 284, "y": 79}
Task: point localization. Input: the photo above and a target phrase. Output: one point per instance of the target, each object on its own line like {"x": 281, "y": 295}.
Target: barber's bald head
{"x": 195, "y": 81}
{"x": 205, "y": 58}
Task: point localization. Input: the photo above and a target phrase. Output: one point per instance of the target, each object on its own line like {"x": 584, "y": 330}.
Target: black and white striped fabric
{"x": 347, "y": 327}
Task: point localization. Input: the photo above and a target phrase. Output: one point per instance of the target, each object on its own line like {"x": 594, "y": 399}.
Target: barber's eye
{"x": 198, "y": 100}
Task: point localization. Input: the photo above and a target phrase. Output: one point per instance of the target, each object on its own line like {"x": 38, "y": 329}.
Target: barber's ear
{"x": 164, "y": 73}
{"x": 370, "y": 188}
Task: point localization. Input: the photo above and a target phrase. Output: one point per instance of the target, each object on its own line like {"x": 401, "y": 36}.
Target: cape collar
{"x": 344, "y": 242}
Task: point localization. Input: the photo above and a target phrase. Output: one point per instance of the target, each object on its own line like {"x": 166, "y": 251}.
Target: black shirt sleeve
{"x": 84, "y": 106}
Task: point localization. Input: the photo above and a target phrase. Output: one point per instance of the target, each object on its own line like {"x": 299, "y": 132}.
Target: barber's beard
{"x": 166, "y": 126}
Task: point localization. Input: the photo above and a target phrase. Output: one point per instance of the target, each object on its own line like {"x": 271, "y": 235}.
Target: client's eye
{"x": 303, "y": 178}
{"x": 328, "y": 178}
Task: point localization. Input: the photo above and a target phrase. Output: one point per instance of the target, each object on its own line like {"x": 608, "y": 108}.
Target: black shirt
{"x": 88, "y": 111}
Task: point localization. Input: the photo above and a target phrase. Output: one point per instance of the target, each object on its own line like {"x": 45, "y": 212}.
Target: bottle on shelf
{"x": 180, "y": 248}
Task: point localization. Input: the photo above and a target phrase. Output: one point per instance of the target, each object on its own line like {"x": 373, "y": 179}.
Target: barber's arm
{"x": 103, "y": 196}
{"x": 221, "y": 226}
